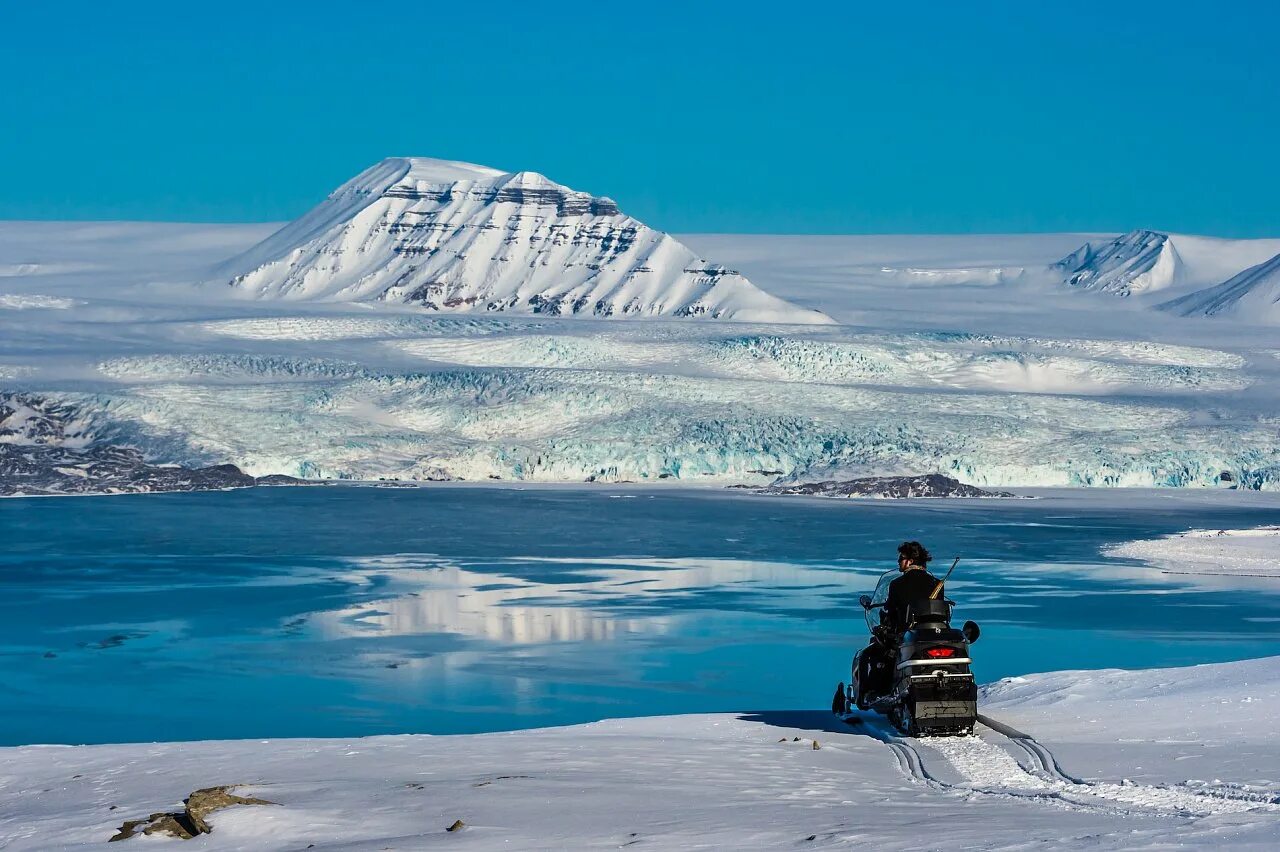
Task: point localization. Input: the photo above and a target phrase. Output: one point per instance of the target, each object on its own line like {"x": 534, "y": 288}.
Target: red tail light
{"x": 939, "y": 653}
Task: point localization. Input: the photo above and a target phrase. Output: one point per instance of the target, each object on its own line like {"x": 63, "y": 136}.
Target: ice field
{"x": 957, "y": 355}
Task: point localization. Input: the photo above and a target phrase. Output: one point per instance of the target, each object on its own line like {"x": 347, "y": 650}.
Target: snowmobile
{"x": 919, "y": 678}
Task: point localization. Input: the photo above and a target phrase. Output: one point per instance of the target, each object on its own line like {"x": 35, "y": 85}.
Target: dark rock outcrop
{"x": 46, "y": 470}
{"x": 891, "y": 487}
{"x": 192, "y": 820}
{"x": 50, "y": 448}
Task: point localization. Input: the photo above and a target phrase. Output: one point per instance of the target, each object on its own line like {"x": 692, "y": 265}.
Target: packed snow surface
{"x": 1120, "y": 760}
{"x": 458, "y": 237}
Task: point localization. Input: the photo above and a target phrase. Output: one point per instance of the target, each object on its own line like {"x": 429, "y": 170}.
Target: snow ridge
{"x": 1254, "y": 293}
{"x": 1136, "y": 262}
{"x": 450, "y": 236}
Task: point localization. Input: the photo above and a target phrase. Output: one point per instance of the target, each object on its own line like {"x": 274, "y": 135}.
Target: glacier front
{"x": 948, "y": 355}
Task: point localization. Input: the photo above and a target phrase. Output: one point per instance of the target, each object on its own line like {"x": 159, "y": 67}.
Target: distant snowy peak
{"x": 459, "y": 237}
{"x": 1253, "y": 293}
{"x": 1136, "y": 262}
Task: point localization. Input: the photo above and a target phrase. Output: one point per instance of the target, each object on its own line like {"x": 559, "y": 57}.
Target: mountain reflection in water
{"x": 598, "y": 600}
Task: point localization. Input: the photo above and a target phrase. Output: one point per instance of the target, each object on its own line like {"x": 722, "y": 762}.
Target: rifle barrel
{"x": 938, "y": 590}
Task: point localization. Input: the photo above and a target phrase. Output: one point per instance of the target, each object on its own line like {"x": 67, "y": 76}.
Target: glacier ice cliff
{"x": 669, "y": 402}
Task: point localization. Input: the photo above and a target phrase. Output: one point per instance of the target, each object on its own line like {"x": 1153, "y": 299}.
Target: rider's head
{"x": 911, "y": 554}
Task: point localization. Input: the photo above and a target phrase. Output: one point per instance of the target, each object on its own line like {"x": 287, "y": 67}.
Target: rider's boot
{"x": 861, "y": 677}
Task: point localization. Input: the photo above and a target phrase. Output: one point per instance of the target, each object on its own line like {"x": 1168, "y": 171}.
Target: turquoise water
{"x": 345, "y": 611}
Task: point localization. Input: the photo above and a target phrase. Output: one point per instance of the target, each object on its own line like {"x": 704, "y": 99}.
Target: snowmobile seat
{"x": 929, "y": 611}
{"x": 932, "y": 633}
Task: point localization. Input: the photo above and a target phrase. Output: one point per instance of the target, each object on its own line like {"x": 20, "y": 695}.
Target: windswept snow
{"x": 1254, "y": 293}
{"x": 457, "y": 237}
{"x": 1136, "y": 759}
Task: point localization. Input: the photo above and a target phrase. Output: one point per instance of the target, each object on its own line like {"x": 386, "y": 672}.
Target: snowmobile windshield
{"x": 879, "y": 598}
{"x": 881, "y": 595}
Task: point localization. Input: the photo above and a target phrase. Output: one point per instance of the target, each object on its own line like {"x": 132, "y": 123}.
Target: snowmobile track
{"x": 992, "y": 769}
{"x": 1043, "y": 760}
{"x": 910, "y": 763}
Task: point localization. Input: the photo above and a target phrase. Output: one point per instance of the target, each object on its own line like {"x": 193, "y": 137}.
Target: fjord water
{"x": 341, "y": 611}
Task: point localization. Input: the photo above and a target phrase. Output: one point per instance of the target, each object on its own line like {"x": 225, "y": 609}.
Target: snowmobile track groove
{"x": 1045, "y": 763}
{"x": 1045, "y": 780}
{"x": 909, "y": 759}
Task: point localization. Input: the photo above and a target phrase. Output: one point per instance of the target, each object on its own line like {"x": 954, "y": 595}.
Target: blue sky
{"x": 737, "y": 117}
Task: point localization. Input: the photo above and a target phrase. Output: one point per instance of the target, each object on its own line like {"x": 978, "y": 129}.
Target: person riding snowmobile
{"x": 915, "y": 583}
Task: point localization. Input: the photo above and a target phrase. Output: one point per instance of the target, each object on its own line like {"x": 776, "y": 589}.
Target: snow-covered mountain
{"x": 1136, "y": 262}
{"x": 453, "y": 236}
{"x": 1253, "y": 293}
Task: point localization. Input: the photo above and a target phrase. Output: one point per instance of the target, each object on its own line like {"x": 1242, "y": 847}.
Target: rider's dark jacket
{"x": 913, "y": 585}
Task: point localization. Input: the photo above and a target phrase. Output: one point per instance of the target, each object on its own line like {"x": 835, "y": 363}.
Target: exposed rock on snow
{"x": 929, "y": 485}
{"x": 1136, "y": 262}
{"x": 1254, "y": 294}
{"x": 44, "y": 471}
{"x": 27, "y": 420}
{"x": 49, "y": 448}
{"x": 458, "y": 237}
{"x": 192, "y": 819}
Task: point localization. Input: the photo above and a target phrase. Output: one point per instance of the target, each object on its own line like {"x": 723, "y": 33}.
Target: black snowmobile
{"x": 918, "y": 677}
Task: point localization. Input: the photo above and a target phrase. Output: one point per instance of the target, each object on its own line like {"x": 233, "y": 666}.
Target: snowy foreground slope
{"x": 963, "y": 356}
{"x": 1122, "y": 760}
